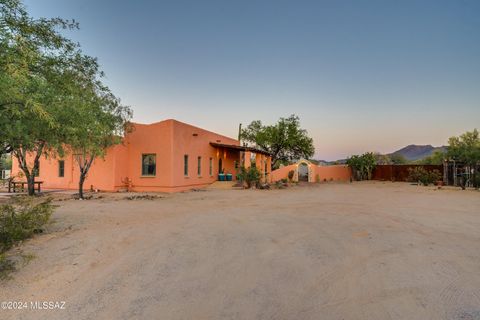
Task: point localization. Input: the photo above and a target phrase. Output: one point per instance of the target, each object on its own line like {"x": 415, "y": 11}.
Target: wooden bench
{"x": 19, "y": 186}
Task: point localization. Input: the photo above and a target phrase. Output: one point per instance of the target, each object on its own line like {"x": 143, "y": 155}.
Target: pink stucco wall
{"x": 282, "y": 173}
{"x": 333, "y": 173}
{"x": 324, "y": 173}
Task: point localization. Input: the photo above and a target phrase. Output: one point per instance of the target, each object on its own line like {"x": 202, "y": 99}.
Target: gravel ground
{"x": 328, "y": 251}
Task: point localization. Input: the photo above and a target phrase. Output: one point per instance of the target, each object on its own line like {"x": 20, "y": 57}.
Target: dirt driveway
{"x": 333, "y": 251}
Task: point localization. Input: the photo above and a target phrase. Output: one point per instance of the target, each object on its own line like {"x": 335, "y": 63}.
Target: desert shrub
{"x": 290, "y": 175}
{"x": 6, "y": 267}
{"x": 425, "y": 177}
{"x": 21, "y": 219}
{"x": 476, "y": 180}
{"x": 434, "y": 176}
{"x": 362, "y": 166}
{"x": 250, "y": 176}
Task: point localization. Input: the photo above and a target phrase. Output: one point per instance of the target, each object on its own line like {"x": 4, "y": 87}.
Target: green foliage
{"x": 476, "y": 180}
{"x": 20, "y": 220}
{"x": 250, "y": 176}
{"x": 397, "y": 158}
{"x": 32, "y": 55}
{"x": 6, "y": 267}
{"x": 435, "y": 159}
{"x": 285, "y": 140}
{"x": 362, "y": 165}
{"x": 382, "y": 159}
{"x": 423, "y": 176}
{"x": 5, "y": 162}
{"x": 51, "y": 94}
{"x": 465, "y": 148}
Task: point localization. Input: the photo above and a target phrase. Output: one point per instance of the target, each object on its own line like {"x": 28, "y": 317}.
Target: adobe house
{"x": 166, "y": 156}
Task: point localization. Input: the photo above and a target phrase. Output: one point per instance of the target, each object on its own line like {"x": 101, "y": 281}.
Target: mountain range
{"x": 412, "y": 152}
{"x": 415, "y": 152}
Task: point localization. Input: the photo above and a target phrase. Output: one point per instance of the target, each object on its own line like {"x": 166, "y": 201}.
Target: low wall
{"x": 319, "y": 173}
{"x": 333, "y": 173}
{"x": 282, "y": 173}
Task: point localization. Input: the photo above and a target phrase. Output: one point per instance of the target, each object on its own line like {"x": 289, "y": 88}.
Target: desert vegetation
{"x": 285, "y": 141}
{"x": 52, "y": 98}
{"x": 19, "y": 220}
{"x": 362, "y": 165}
{"x": 249, "y": 176}
{"x": 423, "y": 176}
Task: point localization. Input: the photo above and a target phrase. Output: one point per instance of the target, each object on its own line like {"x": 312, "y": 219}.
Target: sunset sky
{"x": 362, "y": 75}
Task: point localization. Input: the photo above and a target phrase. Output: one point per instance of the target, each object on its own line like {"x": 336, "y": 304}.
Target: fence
{"x": 399, "y": 172}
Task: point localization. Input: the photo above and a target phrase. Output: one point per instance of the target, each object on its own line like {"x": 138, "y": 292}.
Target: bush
{"x": 291, "y": 173}
{"x": 21, "y": 219}
{"x": 425, "y": 177}
{"x": 476, "y": 180}
{"x": 250, "y": 176}
{"x": 6, "y": 267}
{"x": 362, "y": 166}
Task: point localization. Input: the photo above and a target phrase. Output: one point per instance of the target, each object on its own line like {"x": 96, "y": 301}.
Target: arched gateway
{"x": 303, "y": 171}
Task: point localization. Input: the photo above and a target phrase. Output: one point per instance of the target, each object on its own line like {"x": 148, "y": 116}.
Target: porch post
{"x": 269, "y": 169}
{"x": 247, "y": 159}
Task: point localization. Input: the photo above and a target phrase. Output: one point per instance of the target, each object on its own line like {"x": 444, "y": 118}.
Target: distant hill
{"x": 415, "y": 152}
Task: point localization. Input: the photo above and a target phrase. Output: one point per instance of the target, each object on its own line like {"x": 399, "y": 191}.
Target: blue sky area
{"x": 362, "y": 75}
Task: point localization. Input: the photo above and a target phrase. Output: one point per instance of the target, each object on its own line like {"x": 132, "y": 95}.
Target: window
{"x": 185, "y": 165}
{"x": 199, "y": 166}
{"x": 61, "y": 168}
{"x": 235, "y": 163}
{"x": 210, "y": 169}
{"x": 149, "y": 164}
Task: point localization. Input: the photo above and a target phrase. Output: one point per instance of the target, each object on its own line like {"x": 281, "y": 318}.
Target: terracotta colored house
{"x": 166, "y": 156}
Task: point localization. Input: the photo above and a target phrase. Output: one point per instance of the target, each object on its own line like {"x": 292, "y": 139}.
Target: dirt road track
{"x": 334, "y": 251}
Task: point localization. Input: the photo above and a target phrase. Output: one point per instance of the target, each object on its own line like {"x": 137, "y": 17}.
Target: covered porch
{"x": 231, "y": 158}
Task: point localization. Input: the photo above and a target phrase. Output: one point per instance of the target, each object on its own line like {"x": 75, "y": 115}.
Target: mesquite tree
{"x": 95, "y": 120}
{"x": 31, "y": 50}
{"x": 466, "y": 149}
{"x": 286, "y": 141}
{"x": 51, "y": 96}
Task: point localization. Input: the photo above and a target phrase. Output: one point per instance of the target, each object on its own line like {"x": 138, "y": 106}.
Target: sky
{"x": 361, "y": 75}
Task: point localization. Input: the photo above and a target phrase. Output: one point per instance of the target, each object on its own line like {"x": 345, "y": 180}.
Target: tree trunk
{"x": 84, "y": 165}
{"x": 80, "y": 185}
{"x": 31, "y": 184}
